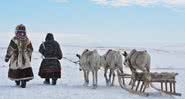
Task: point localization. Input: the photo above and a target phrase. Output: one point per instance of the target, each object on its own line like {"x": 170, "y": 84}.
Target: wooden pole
{"x": 174, "y": 89}
{"x": 170, "y": 86}
{"x": 145, "y": 85}
{"x": 166, "y": 85}
{"x": 162, "y": 86}
{"x": 142, "y": 87}
{"x": 138, "y": 85}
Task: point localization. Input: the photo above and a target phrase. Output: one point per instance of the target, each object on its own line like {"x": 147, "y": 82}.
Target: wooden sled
{"x": 140, "y": 83}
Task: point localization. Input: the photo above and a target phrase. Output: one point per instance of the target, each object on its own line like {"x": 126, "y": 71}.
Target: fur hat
{"x": 21, "y": 28}
{"x": 20, "y": 31}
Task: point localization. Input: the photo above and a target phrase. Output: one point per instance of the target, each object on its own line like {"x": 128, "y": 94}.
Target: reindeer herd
{"x": 92, "y": 61}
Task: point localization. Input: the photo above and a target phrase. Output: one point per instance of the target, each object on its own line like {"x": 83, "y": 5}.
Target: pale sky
{"x": 96, "y": 21}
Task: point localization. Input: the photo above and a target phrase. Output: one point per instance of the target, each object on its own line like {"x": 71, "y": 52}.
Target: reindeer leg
{"x": 110, "y": 77}
{"x": 94, "y": 79}
{"x": 113, "y": 78}
{"x": 96, "y": 75}
{"x": 121, "y": 70}
{"x": 131, "y": 81}
{"x": 105, "y": 75}
{"x": 85, "y": 78}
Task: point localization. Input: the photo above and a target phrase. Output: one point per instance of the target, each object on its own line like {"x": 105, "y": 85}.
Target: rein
{"x": 75, "y": 62}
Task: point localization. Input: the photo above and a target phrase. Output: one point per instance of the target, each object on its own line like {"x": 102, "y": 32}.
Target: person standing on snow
{"x": 19, "y": 53}
{"x": 50, "y": 67}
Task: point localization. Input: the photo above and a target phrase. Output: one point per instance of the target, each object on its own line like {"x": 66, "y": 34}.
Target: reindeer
{"x": 90, "y": 61}
{"x": 137, "y": 60}
{"x": 113, "y": 60}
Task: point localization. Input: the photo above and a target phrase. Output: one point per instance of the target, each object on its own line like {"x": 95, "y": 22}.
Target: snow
{"x": 164, "y": 58}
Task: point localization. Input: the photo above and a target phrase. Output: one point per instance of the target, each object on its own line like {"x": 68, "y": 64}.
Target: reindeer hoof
{"x": 85, "y": 84}
{"x": 112, "y": 85}
{"x": 108, "y": 83}
{"x": 94, "y": 86}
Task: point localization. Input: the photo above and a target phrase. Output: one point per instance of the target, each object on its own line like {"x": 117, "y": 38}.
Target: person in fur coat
{"x": 50, "y": 67}
{"x": 19, "y": 53}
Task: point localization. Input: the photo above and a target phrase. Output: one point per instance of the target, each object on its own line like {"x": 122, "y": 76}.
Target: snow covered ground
{"x": 169, "y": 58}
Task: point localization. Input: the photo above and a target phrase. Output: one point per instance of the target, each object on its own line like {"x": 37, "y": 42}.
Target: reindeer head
{"x": 125, "y": 54}
{"x": 79, "y": 56}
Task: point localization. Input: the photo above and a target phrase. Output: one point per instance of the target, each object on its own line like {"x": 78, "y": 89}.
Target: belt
{"x": 51, "y": 58}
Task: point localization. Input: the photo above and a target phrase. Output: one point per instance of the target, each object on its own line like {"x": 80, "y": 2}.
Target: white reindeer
{"x": 90, "y": 61}
{"x": 113, "y": 60}
{"x": 137, "y": 60}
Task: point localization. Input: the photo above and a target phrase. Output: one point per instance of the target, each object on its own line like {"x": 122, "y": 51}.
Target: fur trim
{"x": 20, "y": 74}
